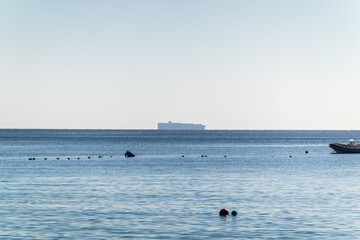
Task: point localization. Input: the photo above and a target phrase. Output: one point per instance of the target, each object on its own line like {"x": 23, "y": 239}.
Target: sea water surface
{"x": 278, "y": 190}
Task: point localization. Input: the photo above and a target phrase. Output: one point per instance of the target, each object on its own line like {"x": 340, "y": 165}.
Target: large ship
{"x": 180, "y": 126}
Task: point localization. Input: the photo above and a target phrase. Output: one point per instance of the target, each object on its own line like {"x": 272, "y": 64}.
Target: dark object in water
{"x": 129, "y": 154}
{"x": 234, "y": 213}
{"x": 78, "y": 158}
{"x": 224, "y": 155}
{"x": 45, "y": 158}
{"x": 224, "y": 212}
{"x": 306, "y": 151}
{"x": 182, "y": 155}
{"x": 88, "y": 157}
{"x": 202, "y": 155}
{"x": 352, "y": 147}
{"x": 68, "y": 158}
{"x": 31, "y": 158}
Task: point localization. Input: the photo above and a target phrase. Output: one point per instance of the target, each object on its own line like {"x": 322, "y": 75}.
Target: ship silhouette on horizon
{"x": 180, "y": 126}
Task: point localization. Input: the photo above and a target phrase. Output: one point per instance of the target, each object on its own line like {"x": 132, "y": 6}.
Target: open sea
{"x": 278, "y": 190}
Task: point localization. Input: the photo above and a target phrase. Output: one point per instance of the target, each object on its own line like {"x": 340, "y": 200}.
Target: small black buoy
{"x": 78, "y": 158}
{"x": 234, "y": 213}
{"x": 224, "y": 155}
{"x": 88, "y": 157}
{"x": 202, "y": 155}
{"x": 205, "y": 155}
{"x": 290, "y": 156}
{"x": 68, "y": 158}
{"x": 306, "y": 151}
{"x": 45, "y": 158}
{"x": 182, "y": 155}
{"x": 57, "y": 158}
{"x": 224, "y": 212}
{"x": 129, "y": 154}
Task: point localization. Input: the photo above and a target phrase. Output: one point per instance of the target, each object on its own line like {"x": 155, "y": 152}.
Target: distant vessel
{"x": 180, "y": 126}
{"x": 352, "y": 147}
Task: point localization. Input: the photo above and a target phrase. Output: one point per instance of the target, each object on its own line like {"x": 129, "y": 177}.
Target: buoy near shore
{"x": 234, "y": 213}
{"x": 224, "y": 212}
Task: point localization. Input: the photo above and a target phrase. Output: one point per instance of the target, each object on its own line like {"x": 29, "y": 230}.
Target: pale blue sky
{"x": 255, "y": 64}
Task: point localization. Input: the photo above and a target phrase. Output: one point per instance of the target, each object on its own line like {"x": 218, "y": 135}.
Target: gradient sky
{"x": 254, "y": 64}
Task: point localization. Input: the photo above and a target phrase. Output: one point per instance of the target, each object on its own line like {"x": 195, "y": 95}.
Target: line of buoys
{"x": 31, "y": 158}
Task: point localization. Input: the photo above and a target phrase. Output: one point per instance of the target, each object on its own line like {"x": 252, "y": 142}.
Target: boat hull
{"x": 343, "y": 148}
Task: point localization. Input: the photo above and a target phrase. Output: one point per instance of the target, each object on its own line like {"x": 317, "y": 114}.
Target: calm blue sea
{"x": 161, "y": 195}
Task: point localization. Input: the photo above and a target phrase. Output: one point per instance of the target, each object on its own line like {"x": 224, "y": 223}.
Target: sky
{"x": 242, "y": 64}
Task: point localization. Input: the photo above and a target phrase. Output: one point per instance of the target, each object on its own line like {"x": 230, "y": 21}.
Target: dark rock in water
{"x": 129, "y": 154}
{"x": 234, "y": 213}
{"x": 224, "y": 212}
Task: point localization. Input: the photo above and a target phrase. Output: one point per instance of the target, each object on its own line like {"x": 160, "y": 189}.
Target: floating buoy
{"x": 57, "y": 158}
{"x": 202, "y": 155}
{"x": 129, "y": 154}
{"x": 224, "y": 155}
{"x": 31, "y": 158}
{"x": 290, "y": 156}
{"x": 224, "y": 212}
{"x": 88, "y": 157}
{"x": 205, "y": 155}
{"x": 45, "y": 158}
{"x": 68, "y": 158}
{"x": 182, "y": 155}
{"x": 78, "y": 158}
{"x": 306, "y": 151}
{"x": 234, "y": 213}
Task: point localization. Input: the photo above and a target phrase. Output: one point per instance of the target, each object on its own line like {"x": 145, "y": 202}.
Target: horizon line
{"x": 154, "y": 129}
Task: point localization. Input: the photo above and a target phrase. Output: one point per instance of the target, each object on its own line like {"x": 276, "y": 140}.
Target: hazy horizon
{"x": 230, "y": 65}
